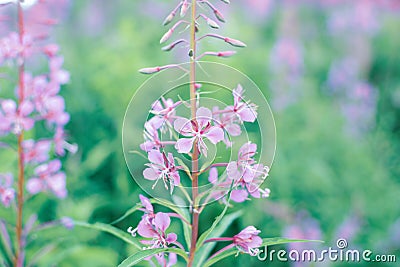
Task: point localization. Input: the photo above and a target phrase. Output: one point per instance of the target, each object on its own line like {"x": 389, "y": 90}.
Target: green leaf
{"x": 186, "y": 228}
{"x": 185, "y": 167}
{"x": 112, "y": 230}
{"x": 141, "y": 255}
{"x": 204, "y": 236}
{"x": 5, "y": 245}
{"x": 205, "y": 250}
{"x": 128, "y": 212}
{"x": 266, "y": 242}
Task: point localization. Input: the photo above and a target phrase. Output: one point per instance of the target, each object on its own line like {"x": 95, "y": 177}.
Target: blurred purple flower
{"x": 7, "y": 193}
{"x": 286, "y": 66}
{"x": 303, "y": 227}
{"x": 67, "y": 222}
{"x": 359, "y": 108}
{"x": 36, "y": 152}
{"x": 48, "y": 177}
{"x": 15, "y": 119}
{"x": 360, "y": 16}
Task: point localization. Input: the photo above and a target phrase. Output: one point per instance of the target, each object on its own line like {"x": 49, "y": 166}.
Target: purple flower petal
{"x": 215, "y": 135}
{"x": 239, "y": 196}
{"x": 156, "y": 157}
{"x": 203, "y": 117}
{"x": 162, "y": 221}
{"x": 183, "y": 126}
{"x": 145, "y": 230}
{"x": 146, "y": 203}
{"x": 247, "y": 114}
{"x": 151, "y": 174}
{"x": 184, "y": 145}
{"x": 213, "y": 175}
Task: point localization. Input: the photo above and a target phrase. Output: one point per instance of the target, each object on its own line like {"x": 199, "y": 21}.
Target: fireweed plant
{"x": 181, "y": 133}
{"x": 36, "y": 105}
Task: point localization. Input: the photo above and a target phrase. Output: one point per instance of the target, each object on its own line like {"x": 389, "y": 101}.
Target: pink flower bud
{"x": 169, "y": 18}
{"x": 234, "y": 42}
{"x": 150, "y": 70}
{"x": 226, "y": 53}
{"x": 212, "y": 23}
{"x": 172, "y": 46}
{"x": 166, "y": 36}
{"x": 197, "y": 86}
{"x": 219, "y": 16}
{"x": 184, "y": 8}
{"x": 51, "y": 50}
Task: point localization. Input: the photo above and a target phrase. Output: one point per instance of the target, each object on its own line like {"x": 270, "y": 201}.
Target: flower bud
{"x": 226, "y": 53}
{"x": 219, "y": 15}
{"x": 169, "y": 18}
{"x": 184, "y": 8}
{"x": 51, "y": 50}
{"x": 166, "y": 36}
{"x": 234, "y": 42}
{"x": 150, "y": 70}
{"x": 212, "y": 23}
{"x": 172, "y": 45}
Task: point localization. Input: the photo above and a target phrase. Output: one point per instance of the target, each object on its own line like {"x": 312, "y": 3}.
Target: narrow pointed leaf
{"x": 266, "y": 242}
{"x": 112, "y": 230}
{"x": 127, "y": 213}
{"x": 141, "y": 255}
{"x": 205, "y": 250}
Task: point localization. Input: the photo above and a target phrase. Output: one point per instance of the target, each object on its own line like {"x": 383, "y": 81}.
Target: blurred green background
{"x": 331, "y": 74}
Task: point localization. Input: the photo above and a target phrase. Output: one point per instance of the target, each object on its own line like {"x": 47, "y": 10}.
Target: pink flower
{"x": 57, "y": 74}
{"x": 162, "y": 167}
{"x": 156, "y": 231}
{"x": 36, "y": 152}
{"x": 11, "y": 48}
{"x": 148, "y": 209}
{"x": 245, "y": 112}
{"x": 164, "y": 112}
{"x": 53, "y": 110}
{"x": 67, "y": 222}
{"x": 246, "y": 174}
{"x": 7, "y": 193}
{"x": 15, "y": 119}
{"x": 227, "y": 122}
{"x": 48, "y": 177}
{"x": 248, "y": 240}
{"x": 60, "y": 145}
{"x": 152, "y": 139}
{"x": 197, "y": 130}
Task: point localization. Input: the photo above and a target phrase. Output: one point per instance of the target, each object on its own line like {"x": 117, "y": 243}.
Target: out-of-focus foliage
{"x": 331, "y": 177}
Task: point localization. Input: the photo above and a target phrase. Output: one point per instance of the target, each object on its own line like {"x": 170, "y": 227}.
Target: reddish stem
{"x": 195, "y": 155}
{"x": 20, "y": 247}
